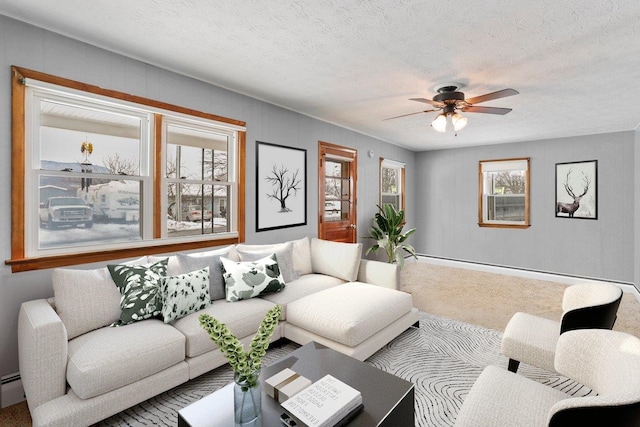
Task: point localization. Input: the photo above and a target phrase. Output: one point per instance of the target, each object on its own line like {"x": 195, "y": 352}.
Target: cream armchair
{"x": 532, "y": 339}
{"x": 608, "y": 362}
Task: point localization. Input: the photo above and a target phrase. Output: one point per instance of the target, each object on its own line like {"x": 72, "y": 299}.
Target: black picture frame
{"x": 281, "y": 186}
{"x": 577, "y": 190}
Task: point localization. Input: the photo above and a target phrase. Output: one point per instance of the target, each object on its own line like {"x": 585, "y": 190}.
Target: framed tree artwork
{"x": 281, "y": 186}
{"x": 577, "y": 190}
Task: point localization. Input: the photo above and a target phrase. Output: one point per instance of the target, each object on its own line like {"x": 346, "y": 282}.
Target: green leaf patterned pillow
{"x": 244, "y": 280}
{"x": 185, "y": 294}
{"x": 139, "y": 286}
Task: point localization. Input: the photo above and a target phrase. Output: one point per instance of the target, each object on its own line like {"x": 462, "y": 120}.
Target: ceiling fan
{"x": 449, "y": 101}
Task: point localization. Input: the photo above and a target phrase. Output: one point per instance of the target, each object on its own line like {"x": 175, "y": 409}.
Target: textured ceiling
{"x": 354, "y": 63}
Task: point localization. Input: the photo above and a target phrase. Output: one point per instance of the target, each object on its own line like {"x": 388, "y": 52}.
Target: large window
{"x": 99, "y": 175}
{"x": 503, "y": 193}
{"x": 392, "y": 183}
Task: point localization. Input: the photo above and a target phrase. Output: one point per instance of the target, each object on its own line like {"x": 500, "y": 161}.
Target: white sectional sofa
{"x": 77, "y": 370}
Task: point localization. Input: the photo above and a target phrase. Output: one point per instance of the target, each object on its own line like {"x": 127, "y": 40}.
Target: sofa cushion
{"x": 110, "y": 358}
{"x": 245, "y": 280}
{"x": 86, "y": 299}
{"x": 140, "y": 289}
{"x": 349, "y": 313}
{"x": 284, "y": 256}
{"x": 301, "y": 253}
{"x": 188, "y": 263}
{"x": 243, "y": 319}
{"x": 336, "y": 259}
{"x": 184, "y": 294}
{"x": 172, "y": 265}
{"x": 301, "y": 287}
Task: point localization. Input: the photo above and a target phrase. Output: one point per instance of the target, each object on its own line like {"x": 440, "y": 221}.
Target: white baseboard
{"x": 12, "y": 391}
{"x": 527, "y": 274}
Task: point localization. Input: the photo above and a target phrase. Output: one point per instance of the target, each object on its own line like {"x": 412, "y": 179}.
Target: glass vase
{"x": 247, "y": 400}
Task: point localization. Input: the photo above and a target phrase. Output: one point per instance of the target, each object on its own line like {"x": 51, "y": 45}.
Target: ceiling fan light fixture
{"x": 458, "y": 120}
{"x": 439, "y": 124}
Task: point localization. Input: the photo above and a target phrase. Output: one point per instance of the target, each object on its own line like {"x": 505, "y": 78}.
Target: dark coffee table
{"x": 388, "y": 400}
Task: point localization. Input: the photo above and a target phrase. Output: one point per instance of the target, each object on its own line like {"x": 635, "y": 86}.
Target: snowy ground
{"x": 113, "y": 233}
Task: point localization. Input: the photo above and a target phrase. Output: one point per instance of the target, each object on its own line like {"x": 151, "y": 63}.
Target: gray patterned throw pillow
{"x": 139, "y": 286}
{"x": 246, "y": 280}
{"x": 188, "y": 263}
{"x": 185, "y": 294}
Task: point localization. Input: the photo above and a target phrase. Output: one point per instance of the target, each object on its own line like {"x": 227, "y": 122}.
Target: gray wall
{"x": 602, "y": 248}
{"x": 30, "y": 47}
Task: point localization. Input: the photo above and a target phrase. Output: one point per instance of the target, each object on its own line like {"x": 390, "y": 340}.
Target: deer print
{"x": 571, "y": 208}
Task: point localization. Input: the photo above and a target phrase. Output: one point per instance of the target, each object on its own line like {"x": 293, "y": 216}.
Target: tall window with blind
{"x": 503, "y": 193}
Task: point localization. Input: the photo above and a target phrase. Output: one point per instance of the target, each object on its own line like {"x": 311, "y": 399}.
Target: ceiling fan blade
{"x": 493, "y": 95}
{"x": 428, "y": 101}
{"x": 410, "y": 114}
{"x": 487, "y": 110}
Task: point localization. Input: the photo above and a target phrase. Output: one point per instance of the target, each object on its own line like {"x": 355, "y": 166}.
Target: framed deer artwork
{"x": 577, "y": 190}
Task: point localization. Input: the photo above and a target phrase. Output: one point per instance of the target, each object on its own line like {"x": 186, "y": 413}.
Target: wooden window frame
{"x": 481, "y": 221}
{"x": 19, "y": 262}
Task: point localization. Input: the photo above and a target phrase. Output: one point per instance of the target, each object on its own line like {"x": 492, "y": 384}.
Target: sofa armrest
{"x": 379, "y": 273}
{"x": 42, "y": 352}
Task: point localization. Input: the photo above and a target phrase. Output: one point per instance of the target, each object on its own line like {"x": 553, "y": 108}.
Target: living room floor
{"x": 489, "y": 299}
{"x": 475, "y": 297}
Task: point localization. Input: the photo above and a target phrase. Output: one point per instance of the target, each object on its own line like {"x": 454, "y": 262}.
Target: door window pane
{"x": 337, "y": 190}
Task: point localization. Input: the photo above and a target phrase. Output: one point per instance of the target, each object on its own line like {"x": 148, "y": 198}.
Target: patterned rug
{"x": 442, "y": 358}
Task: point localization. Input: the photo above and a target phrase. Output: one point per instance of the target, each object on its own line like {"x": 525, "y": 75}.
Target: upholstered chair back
{"x": 608, "y": 362}
{"x": 590, "y": 305}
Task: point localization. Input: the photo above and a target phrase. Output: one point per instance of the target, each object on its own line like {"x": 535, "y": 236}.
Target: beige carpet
{"x": 474, "y": 297}
{"x": 489, "y": 300}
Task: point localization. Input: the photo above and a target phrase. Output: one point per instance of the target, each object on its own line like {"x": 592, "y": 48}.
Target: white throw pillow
{"x": 87, "y": 299}
{"x": 302, "y": 256}
{"x": 284, "y": 255}
{"x": 336, "y": 259}
{"x": 246, "y": 280}
{"x": 185, "y": 294}
{"x": 301, "y": 253}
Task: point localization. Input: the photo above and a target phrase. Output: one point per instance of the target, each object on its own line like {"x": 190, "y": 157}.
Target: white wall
{"x": 602, "y": 248}
{"x": 37, "y": 49}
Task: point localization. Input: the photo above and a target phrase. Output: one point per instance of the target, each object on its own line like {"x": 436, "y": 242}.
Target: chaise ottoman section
{"x": 351, "y": 313}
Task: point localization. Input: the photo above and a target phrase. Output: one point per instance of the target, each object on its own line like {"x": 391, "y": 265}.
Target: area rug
{"x": 442, "y": 358}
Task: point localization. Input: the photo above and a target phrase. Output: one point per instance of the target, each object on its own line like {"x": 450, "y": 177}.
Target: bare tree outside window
{"x": 119, "y": 165}
{"x": 509, "y": 182}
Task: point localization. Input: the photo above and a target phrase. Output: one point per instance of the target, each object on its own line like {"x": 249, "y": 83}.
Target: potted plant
{"x": 247, "y": 393}
{"x": 387, "y": 232}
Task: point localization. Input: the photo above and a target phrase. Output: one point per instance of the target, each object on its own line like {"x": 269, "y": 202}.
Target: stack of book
{"x": 328, "y": 402}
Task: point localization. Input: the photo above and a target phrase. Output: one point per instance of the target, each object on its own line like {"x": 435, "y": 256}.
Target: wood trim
{"x": 327, "y": 148}
{"x": 61, "y": 81}
{"x": 242, "y": 176}
{"x": 17, "y": 163}
{"x": 380, "y": 161}
{"x": 27, "y": 264}
{"x": 157, "y": 176}
{"x": 527, "y": 195}
{"x": 403, "y": 181}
